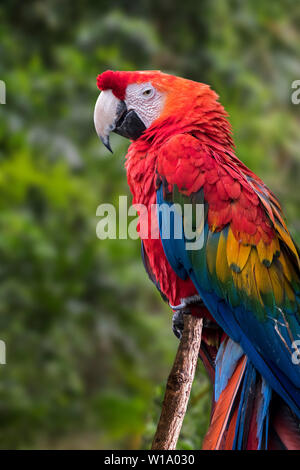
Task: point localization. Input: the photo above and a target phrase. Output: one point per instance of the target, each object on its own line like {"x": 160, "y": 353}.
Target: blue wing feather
{"x": 267, "y": 344}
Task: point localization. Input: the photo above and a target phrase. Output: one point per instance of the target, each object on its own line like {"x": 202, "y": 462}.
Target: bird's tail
{"x": 246, "y": 413}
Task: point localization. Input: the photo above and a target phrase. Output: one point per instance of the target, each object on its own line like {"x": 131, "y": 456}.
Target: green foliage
{"x": 89, "y": 341}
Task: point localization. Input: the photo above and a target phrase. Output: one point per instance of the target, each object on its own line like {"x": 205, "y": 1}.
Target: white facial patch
{"x": 145, "y": 100}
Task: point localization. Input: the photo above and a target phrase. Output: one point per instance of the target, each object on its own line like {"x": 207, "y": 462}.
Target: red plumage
{"x": 115, "y": 81}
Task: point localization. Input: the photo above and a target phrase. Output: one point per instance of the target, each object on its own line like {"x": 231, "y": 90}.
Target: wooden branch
{"x": 179, "y": 386}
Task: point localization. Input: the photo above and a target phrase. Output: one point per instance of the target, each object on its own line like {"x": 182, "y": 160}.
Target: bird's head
{"x": 130, "y": 103}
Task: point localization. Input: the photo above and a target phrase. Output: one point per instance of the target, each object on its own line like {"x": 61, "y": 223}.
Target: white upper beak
{"x": 105, "y": 114}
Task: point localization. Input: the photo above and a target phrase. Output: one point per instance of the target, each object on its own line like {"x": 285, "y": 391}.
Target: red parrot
{"x": 244, "y": 277}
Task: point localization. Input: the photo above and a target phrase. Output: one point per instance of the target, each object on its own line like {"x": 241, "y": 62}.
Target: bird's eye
{"x": 147, "y": 92}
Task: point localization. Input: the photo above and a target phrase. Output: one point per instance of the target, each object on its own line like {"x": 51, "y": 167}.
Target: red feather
{"x": 215, "y": 438}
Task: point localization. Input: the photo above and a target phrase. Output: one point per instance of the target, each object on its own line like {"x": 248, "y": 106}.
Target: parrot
{"x": 242, "y": 274}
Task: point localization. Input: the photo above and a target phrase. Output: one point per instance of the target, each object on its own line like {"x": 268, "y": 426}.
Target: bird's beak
{"x": 111, "y": 115}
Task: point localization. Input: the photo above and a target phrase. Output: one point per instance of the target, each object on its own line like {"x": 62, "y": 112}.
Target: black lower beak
{"x": 128, "y": 123}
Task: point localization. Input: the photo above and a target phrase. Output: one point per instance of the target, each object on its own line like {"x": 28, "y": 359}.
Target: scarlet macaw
{"x": 245, "y": 279}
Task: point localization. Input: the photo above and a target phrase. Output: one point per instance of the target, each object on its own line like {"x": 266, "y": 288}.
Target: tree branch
{"x": 179, "y": 386}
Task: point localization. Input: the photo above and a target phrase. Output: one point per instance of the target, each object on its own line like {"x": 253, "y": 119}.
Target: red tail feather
{"x": 224, "y": 415}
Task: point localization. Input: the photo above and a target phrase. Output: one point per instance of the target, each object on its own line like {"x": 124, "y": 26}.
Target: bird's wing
{"x": 243, "y": 262}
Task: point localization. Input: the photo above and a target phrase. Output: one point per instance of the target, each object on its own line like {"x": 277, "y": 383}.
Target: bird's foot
{"x": 178, "y": 322}
{"x": 183, "y": 309}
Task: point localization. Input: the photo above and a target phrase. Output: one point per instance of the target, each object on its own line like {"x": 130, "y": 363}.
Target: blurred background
{"x": 89, "y": 341}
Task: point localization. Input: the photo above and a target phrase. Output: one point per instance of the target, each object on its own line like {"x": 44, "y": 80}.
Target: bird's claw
{"x": 178, "y": 322}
